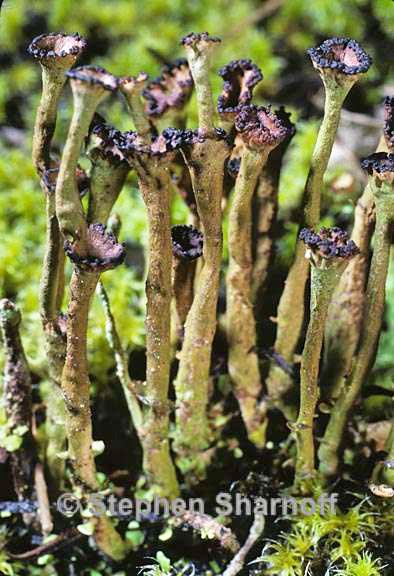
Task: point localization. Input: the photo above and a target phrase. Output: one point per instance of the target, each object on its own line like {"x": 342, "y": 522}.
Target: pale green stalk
{"x": 290, "y": 314}
{"x": 323, "y": 282}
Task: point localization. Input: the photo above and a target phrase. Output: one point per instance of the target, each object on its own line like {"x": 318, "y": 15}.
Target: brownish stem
{"x": 255, "y": 533}
{"x": 69, "y": 208}
{"x": 243, "y": 361}
{"x": 265, "y": 207}
{"x": 51, "y": 265}
{"x": 45, "y": 123}
{"x": 51, "y": 295}
{"x": 75, "y": 387}
{"x": 42, "y": 499}
{"x": 206, "y": 164}
{"x": 106, "y": 183}
{"x": 155, "y": 188}
{"x": 75, "y": 379}
{"x": 205, "y": 524}
{"x": 183, "y": 277}
{"x": 343, "y": 325}
{"x": 278, "y": 381}
{"x": 133, "y": 95}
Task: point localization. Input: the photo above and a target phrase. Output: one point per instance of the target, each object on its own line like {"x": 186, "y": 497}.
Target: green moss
{"x": 339, "y": 541}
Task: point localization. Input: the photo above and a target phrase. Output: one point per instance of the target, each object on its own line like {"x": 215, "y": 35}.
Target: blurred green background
{"x": 128, "y": 36}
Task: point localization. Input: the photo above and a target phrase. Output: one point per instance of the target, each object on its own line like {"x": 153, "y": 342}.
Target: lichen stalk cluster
{"x": 343, "y": 324}
{"x": 92, "y": 251}
{"x": 215, "y": 170}
{"x": 56, "y": 53}
{"x": 380, "y": 167}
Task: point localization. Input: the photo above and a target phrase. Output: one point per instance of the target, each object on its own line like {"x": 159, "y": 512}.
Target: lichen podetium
{"x": 344, "y": 319}
{"x": 101, "y": 253}
{"x": 90, "y": 85}
{"x": 264, "y": 209}
{"x": 260, "y": 131}
{"x": 340, "y": 62}
{"x": 205, "y": 157}
{"x": 151, "y": 162}
{"x": 329, "y": 252}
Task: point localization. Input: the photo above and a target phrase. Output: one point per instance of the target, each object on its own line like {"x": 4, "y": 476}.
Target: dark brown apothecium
{"x": 240, "y": 77}
{"x": 199, "y": 40}
{"x": 342, "y": 56}
{"x": 380, "y": 165}
{"x": 328, "y": 244}
{"x": 51, "y": 49}
{"x": 171, "y": 90}
{"x": 261, "y": 128}
{"x": 104, "y": 140}
{"x": 233, "y": 166}
{"x": 94, "y": 76}
{"x": 164, "y": 145}
{"x": 284, "y": 117}
{"x": 133, "y": 84}
{"x": 103, "y": 251}
{"x": 187, "y": 242}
